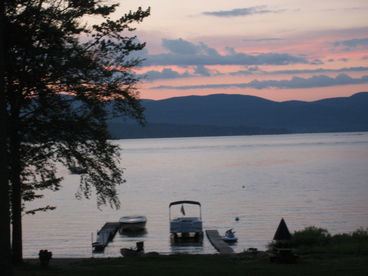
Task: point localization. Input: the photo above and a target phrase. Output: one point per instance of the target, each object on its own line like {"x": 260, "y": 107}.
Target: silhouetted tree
{"x": 5, "y": 251}
{"x": 64, "y": 79}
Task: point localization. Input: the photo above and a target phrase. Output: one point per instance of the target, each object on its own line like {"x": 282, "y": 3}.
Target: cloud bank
{"x": 242, "y": 12}
{"x": 256, "y": 70}
{"x": 168, "y": 73}
{"x": 295, "y": 82}
{"x": 185, "y": 53}
{"x": 351, "y": 44}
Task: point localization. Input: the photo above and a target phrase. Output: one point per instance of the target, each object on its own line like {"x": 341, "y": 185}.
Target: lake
{"x": 307, "y": 179}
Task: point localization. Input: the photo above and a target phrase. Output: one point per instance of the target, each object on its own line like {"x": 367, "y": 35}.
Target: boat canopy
{"x": 184, "y": 202}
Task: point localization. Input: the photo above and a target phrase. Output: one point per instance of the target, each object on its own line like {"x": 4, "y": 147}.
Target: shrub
{"x": 310, "y": 236}
{"x": 314, "y": 239}
{"x": 360, "y": 234}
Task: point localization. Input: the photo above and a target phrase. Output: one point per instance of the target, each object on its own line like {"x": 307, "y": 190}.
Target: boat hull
{"x": 230, "y": 240}
{"x": 132, "y": 223}
{"x": 186, "y": 225}
{"x": 133, "y": 227}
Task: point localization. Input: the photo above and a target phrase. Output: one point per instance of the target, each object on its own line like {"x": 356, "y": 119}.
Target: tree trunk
{"x": 16, "y": 195}
{"x": 5, "y": 249}
{"x": 15, "y": 170}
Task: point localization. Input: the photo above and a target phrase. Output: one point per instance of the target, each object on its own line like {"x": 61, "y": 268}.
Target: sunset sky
{"x": 276, "y": 49}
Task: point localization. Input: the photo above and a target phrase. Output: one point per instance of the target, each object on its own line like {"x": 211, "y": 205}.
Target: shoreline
{"x": 312, "y": 263}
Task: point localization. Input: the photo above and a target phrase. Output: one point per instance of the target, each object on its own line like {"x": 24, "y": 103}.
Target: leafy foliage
{"x": 310, "y": 236}
{"x": 63, "y": 81}
{"x": 313, "y": 239}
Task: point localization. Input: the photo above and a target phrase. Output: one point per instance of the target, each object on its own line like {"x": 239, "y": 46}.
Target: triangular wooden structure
{"x": 282, "y": 232}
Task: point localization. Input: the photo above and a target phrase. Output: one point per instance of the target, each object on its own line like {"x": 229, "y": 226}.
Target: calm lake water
{"x": 308, "y": 179}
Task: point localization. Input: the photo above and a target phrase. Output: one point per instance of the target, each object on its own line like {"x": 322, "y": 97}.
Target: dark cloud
{"x": 351, "y": 44}
{"x": 166, "y": 73}
{"x": 252, "y": 70}
{"x": 316, "y": 62}
{"x": 180, "y": 46}
{"x": 294, "y": 83}
{"x": 248, "y": 71}
{"x": 344, "y": 59}
{"x": 185, "y": 53}
{"x": 242, "y": 12}
{"x": 202, "y": 70}
{"x": 365, "y": 58}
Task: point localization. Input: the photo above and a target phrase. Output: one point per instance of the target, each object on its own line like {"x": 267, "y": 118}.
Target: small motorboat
{"x": 131, "y": 252}
{"x": 133, "y": 223}
{"x": 230, "y": 236}
{"x": 98, "y": 247}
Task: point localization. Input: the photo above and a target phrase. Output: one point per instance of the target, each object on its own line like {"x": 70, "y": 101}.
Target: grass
{"x": 212, "y": 265}
{"x": 320, "y": 254}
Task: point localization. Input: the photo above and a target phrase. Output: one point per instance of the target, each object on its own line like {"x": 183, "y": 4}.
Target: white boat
{"x": 230, "y": 236}
{"x": 133, "y": 223}
{"x": 186, "y": 227}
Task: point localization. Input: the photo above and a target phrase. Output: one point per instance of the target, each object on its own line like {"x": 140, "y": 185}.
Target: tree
{"x": 64, "y": 79}
{"x": 5, "y": 252}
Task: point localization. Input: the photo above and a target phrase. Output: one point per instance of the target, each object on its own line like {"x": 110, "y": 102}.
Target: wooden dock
{"x": 105, "y": 235}
{"x": 217, "y": 242}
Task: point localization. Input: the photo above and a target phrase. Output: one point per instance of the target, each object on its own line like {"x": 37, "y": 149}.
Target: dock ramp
{"x": 217, "y": 242}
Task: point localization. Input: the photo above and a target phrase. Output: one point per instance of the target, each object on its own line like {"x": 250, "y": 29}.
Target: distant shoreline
{"x": 230, "y": 135}
{"x": 229, "y": 115}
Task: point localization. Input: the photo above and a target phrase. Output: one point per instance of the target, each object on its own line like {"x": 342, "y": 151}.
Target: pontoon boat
{"x": 186, "y": 227}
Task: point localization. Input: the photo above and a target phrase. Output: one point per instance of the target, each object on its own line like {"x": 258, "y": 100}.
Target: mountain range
{"x": 226, "y": 114}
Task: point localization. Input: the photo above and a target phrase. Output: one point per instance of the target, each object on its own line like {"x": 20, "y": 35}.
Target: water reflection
{"x": 191, "y": 244}
{"x": 132, "y": 234}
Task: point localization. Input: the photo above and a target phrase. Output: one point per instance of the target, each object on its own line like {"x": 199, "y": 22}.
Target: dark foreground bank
{"x": 317, "y": 252}
{"x": 239, "y": 264}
